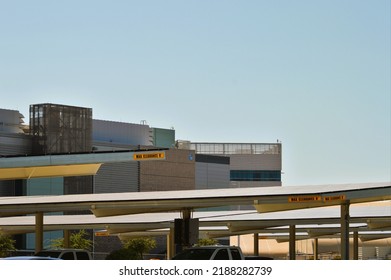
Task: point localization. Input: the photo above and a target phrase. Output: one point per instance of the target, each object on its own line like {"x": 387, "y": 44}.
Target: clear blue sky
{"x": 313, "y": 74}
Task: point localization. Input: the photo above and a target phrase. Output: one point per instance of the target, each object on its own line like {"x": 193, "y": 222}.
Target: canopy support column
{"x": 345, "y": 218}
{"x": 292, "y": 242}
{"x": 316, "y": 248}
{"x": 170, "y": 244}
{"x": 355, "y": 245}
{"x": 186, "y": 230}
{"x": 67, "y": 238}
{"x": 186, "y": 214}
{"x": 256, "y": 244}
{"x": 38, "y": 232}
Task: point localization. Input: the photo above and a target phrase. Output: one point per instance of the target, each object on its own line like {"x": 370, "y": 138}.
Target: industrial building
{"x": 63, "y": 129}
{"x": 57, "y": 129}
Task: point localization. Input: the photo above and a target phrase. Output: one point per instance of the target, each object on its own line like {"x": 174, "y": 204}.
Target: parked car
{"x": 218, "y": 252}
{"x": 23, "y": 258}
{"x": 66, "y": 254}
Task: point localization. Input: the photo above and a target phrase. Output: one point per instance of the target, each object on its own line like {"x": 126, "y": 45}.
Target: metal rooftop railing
{"x": 236, "y": 148}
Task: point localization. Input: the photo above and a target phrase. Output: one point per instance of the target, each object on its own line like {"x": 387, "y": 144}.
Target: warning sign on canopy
{"x": 305, "y": 198}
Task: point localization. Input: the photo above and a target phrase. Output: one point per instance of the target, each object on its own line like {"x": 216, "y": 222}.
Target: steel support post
{"x": 292, "y": 242}
{"x": 345, "y": 217}
{"x": 186, "y": 214}
{"x": 186, "y": 230}
{"x": 170, "y": 244}
{"x": 316, "y": 248}
{"x": 67, "y": 238}
{"x": 38, "y": 232}
{"x": 355, "y": 245}
{"x": 256, "y": 244}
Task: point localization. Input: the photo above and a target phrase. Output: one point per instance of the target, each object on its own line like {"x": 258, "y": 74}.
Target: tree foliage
{"x": 122, "y": 254}
{"x": 6, "y": 244}
{"x": 207, "y": 242}
{"x": 140, "y": 245}
{"x": 78, "y": 240}
{"x": 134, "y": 249}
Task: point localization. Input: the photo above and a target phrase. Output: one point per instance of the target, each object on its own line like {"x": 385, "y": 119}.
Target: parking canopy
{"x": 365, "y": 218}
{"x": 265, "y": 199}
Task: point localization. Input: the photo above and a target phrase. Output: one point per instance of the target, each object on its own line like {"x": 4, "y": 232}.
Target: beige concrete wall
{"x": 177, "y": 172}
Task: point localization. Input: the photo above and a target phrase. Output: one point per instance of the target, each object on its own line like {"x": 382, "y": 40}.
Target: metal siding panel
{"x": 117, "y": 177}
{"x": 201, "y": 171}
{"x": 218, "y": 176}
{"x": 11, "y": 121}
{"x": 256, "y": 162}
{"x": 212, "y": 176}
{"x": 117, "y": 132}
{"x": 15, "y": 144}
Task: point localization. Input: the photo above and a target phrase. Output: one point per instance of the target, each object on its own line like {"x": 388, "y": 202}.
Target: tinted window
{"x": 222, "y": 254}
{"x": 235, "y": 254}
{"x": 52, "y": 254}
{"x": 255, "y": 175}
{"x": 82, "y": 256}
{"x": 68, "y": 256}
{"x": 195, "y": 254}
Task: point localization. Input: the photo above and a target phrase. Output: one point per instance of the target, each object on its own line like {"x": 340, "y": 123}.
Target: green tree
{"x": 6, "y": 244}
{"x": 122, "y": 254}
{"x": 140, "y": 246}
{"x": 207, "y": 242}
{"x": 78, "y": 240}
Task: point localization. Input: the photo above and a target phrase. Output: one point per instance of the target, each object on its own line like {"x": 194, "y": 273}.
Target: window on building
{"x": 255, "y": 175}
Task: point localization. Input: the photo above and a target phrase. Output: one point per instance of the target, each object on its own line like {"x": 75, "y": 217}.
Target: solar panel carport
{"x": 265, "y": 199}
{"x": 310, "y": 223}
